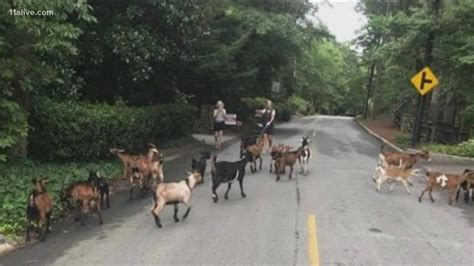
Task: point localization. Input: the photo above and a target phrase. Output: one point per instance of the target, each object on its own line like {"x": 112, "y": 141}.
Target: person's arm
{"x": 225, "y": 112}
{"x": 215, "y": 113}
{"x": 271, "y": 119}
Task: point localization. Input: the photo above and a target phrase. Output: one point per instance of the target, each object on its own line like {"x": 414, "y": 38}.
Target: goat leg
{"x": 457, "y": 195}
{"x": 422, "y": 194}
{"x": 188, "y": 204}
{"x": 131, "y": 192}
{"x": 215, "y": 198}
{"x": 405, "y": 183}
{"x": 261, "y": 160}
{"x": 176, "y": 213}
{"x": 291, "y": 171}
{"x": 48, "y": 220}
{"x": 99, "y": 213}
{"x": 159, "y": 206}
{"x": 430, "y": 194}
{"x": 241, "y": 181}
{"x": 228, "y": 189}
{"x": 28, "y": 229}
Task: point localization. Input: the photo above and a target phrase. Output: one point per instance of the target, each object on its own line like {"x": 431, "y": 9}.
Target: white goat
{"x": 174, "y": 193}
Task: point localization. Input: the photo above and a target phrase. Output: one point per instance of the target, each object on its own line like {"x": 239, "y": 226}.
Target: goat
{"x": 200, "y": 165}
{"x": 404, "y": 160}
{"x": 228, "y": 172}
{"x": 86, "y": 196}
{"x": 101, "y": 185}
{"x": 38, "y": 209}
{"x": 174, "y": 193}
{"x": 277, "y": 149}
{"x": 145, "y": 169}
{"x": 467, "y": 187}
{"x": 246, "y": 141}
{"x": 129, "y": 160}
{"x": 126, "y": 160}
{"x": 305, "y": 156}
{"x": 256, "y": 150}
{"x": 287, "y": 159}
{"x": 391, "y": 173}
{"x": 450, "y": 181}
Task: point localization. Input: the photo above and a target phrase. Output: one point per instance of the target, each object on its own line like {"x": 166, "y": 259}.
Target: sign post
{"x": 424, "y": 81}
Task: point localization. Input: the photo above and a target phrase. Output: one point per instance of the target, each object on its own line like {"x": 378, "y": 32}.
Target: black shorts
{"x": 219, "y": 126}
{"x": 269, "y": 130}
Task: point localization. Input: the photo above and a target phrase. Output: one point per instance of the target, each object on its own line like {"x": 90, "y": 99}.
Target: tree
{"x": 32, "y": 48}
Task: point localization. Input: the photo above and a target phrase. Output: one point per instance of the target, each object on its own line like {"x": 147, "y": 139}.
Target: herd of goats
{"x": 145, "y": 172}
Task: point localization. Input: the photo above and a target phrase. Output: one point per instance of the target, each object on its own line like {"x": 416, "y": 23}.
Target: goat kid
{"x": 228, "y": 172}
{"x": 143, "y": 172}
{"x": 275, "y": 151}
{"x": 305, "y": 156}
{"x": 391, "y": 173}
{"x": 86, "y": 197}
{"x": 450, "y": 181}
{"x": 256, "y": 150}
{"x": 174, "y": 193}
{"x": 287, "y": 159}
{"x": 200, "y": 165}
{"x": 38, "y": 210}
{"x": 467, "y": 187}
{"x": 101, "y": 185}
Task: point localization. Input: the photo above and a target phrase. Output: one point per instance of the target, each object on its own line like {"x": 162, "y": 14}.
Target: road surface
{"x": 354, "y": 223}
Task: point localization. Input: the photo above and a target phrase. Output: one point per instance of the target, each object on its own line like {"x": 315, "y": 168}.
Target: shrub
{"x": 284, "y": 111}
{"x": 462, "y": 149}
{"x": 74, "y": 130}
{"x": 300, "y": 105}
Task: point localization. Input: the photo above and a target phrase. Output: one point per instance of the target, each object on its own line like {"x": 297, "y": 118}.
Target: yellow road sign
{"x": 424, "y": 81}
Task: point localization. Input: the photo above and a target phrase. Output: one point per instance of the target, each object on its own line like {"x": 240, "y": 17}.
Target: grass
{"x": 465, "y": 149}
{"x": 15, "y": 185}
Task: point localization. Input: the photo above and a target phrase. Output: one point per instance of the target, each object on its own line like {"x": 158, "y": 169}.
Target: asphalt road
{"x": 354, "y": 223}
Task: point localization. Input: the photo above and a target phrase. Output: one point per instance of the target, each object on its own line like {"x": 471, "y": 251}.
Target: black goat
{"x": 467, "y": 187}
{"x": 200, "y": 165}
{"x": 101, "y": 185}
{"x": 228, "y": 172}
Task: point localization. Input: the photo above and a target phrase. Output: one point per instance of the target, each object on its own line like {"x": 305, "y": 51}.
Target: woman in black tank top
{"x": 268, "y": 119}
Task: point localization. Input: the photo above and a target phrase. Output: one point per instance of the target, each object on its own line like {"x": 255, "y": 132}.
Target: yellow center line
{"x": 313, "y": 249}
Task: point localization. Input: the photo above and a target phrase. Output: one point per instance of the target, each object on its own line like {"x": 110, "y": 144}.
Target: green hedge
{"x": 73, "y": 130}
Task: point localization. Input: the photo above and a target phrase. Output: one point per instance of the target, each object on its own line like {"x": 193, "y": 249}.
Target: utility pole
{"x": 428, "y": 58}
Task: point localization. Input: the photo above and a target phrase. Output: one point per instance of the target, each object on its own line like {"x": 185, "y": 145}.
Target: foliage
{"x": 65, "y": 130}
{"x": 300, "y": 105}
{"x": 330, "y": 77}
{"x": 35, "y": 51}
{"x": 465, "y": 149}
{"x": 403, "y": 140}
{"x": 15, "y": 184}
{"x": 402, "y": 37}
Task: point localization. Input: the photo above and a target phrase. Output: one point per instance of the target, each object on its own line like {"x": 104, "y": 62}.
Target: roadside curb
{"x": 435, "y": 155}
{"x": 388, "y": 143}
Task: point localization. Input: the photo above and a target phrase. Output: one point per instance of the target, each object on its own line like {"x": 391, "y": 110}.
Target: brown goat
{"x": 174, "y": 193}
{"x": 128, "y": 160}
{"x": 86, "y": 196}
{"x": 287, "y": 159}
{"x": 404, "y": 160}
{"x": 39, "y": 209}
{"x": 275, "y": 151}
{"x": 256, "y": 151}
{"x": 450, "y": 181}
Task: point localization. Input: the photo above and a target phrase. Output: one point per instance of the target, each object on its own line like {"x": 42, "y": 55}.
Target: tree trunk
{"x": 369, "y": 89}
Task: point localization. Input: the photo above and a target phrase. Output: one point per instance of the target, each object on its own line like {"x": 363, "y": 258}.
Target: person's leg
{"x": 269, "y": 137}
{"x": 216, "y": 138}
{"x": 221, "y": 138}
